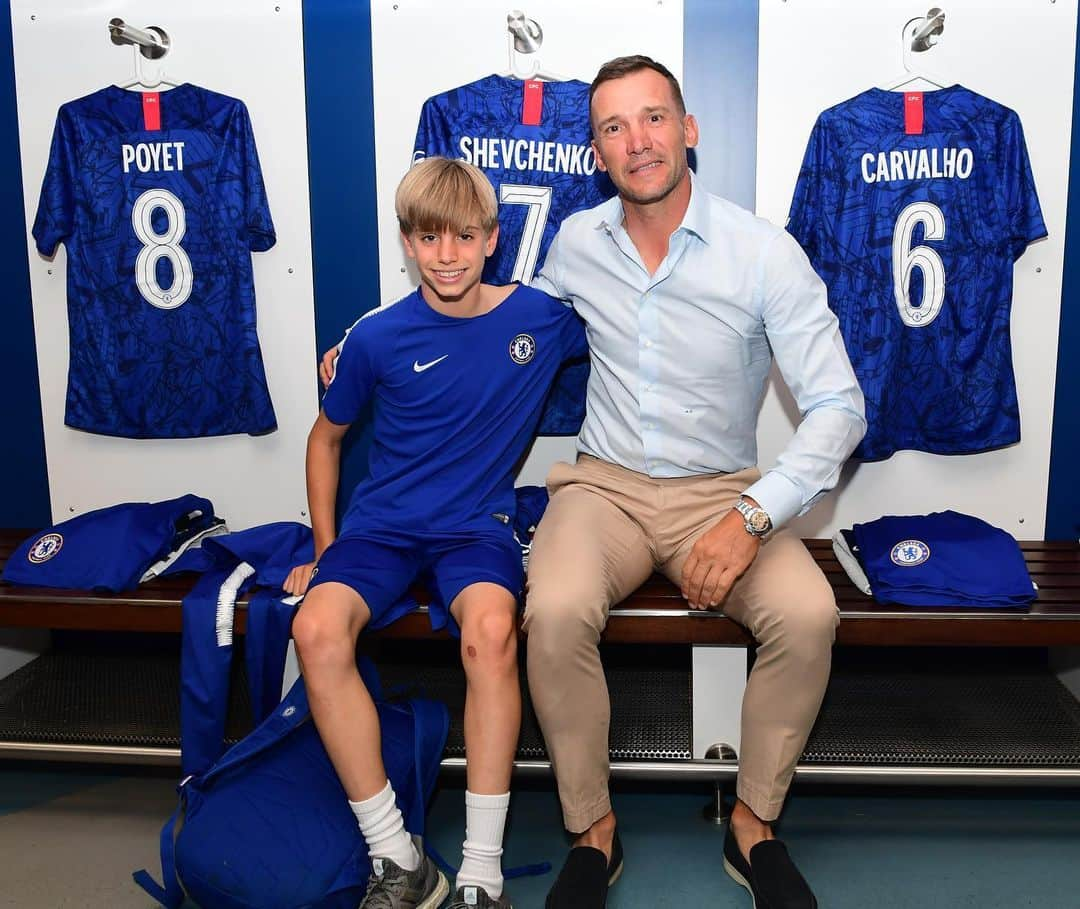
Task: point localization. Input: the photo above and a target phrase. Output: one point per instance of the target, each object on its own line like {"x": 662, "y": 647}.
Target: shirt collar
{"x": 609, "y": 214}
{"x": 696, "y": 220}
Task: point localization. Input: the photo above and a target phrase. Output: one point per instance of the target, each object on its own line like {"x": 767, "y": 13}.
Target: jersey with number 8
{"x": 915, "y": 236}
{"x": 159, "y": 226}
{"x": 533, "y": 140}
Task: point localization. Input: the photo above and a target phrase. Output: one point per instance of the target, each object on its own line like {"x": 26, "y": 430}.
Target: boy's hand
{"x": 326, "y": 367}
{"x": 299, "y": 578}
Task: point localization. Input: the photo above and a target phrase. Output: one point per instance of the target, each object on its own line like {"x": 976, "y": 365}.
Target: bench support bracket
{"x": 719, "y": 680}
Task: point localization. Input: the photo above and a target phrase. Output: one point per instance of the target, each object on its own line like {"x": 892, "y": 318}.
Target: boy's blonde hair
{"x": 440, "y": 194}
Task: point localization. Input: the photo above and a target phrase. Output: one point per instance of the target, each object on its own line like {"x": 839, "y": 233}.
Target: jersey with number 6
{"x": 533, "y": 140}
{"x": 914, "y": 227}
{"x": 159, "y": 200}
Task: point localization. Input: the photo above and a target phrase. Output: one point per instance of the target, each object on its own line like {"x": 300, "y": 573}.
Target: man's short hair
{"x": 440, "y": 194}
{"x": 624, "y": 66}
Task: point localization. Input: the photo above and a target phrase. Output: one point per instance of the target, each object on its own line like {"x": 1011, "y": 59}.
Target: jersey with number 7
{"x": 533, "y": 141}
{"x": 159, "y": 199}
{"x": 912, "y": 207}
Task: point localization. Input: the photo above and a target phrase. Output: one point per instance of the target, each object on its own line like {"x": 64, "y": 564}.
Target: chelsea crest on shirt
{"x": 522, "y": 349}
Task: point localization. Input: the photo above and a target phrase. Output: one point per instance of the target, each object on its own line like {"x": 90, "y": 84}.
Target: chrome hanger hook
{"x": 528, "y": 35}
{"x": 152, "y": 42}
{"x": 932, "y": 26}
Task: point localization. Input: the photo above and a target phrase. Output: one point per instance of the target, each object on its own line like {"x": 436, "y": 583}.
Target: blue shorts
{"x": 382, "y": 566}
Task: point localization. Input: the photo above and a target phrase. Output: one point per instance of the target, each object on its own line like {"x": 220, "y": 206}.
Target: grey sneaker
{"x": 470, "y": 897}
{"x": 391, "y": 887}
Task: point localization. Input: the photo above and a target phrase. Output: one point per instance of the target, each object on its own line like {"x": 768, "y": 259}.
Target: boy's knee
{"x": 320, "y": 640}
{"x": 489, "y": 640}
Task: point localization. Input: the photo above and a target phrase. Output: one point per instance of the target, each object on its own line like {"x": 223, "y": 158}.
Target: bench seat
{"x": 655, "y": 613}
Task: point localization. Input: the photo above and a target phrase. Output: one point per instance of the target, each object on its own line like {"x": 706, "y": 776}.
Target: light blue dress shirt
{"x": 680, "y": 357}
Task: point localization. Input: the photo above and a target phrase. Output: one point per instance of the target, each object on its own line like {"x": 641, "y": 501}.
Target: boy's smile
{"x": 451, "y": 263}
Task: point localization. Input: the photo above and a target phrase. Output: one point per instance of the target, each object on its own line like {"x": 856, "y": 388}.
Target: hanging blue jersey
{"x": 456, "y": 403}
{"x": 913, "y": 212}
{"x": 533, "y": 140}
{"x": 159, "y": 200}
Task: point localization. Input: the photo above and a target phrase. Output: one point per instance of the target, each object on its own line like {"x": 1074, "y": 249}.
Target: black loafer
{"x": 585, "y": 877}
{"x": 771, "y": 876}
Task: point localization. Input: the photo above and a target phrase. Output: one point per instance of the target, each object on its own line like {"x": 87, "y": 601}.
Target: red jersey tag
{"x": 913, "y": 113}
{"x": 151, "y": 110}
{"x": 532, "y": 105}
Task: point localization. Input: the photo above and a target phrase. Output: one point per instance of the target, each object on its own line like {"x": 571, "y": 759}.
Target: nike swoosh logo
{"x": 420, "y": 367}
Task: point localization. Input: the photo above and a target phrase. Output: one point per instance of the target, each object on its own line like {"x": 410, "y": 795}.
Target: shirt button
{"x": 647, "y": 343}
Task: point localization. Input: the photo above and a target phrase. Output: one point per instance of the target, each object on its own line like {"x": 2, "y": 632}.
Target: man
{"x": 683, "y": 295}
{"x": 458, "y": 372}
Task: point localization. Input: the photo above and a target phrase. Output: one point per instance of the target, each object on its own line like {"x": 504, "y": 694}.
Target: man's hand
{"x": 297, "y": 582}
{"x": 717, "y": 560}
{"x": 326, "y": 366}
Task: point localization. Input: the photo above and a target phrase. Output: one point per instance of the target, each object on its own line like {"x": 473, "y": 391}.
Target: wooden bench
{"x": 657, "y": 615}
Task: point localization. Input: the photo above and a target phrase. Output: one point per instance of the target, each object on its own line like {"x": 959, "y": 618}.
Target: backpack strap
{"x": 171, "y": 896}
{"x": 205, "y": 658}
{"x": 269, "y": 626}
{"x": 431, "y": 724}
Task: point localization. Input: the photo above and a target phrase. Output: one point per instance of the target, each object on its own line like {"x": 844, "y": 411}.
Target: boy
{"x": 458, "y": 372}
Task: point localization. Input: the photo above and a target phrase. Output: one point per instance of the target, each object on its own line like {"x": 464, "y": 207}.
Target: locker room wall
{"x": 341, "y": 147}
{"x": 1010, "y": 52}
{"x": 62, "y": 51}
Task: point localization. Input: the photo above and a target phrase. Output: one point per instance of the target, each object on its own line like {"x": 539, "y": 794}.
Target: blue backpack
{"x": 269, "y": 825}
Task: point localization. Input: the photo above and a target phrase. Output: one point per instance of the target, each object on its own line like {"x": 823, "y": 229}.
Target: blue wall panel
{"x": 1063, "y": 498}
{"x": 25, "y": 498}
{"x": 341, "y": 158}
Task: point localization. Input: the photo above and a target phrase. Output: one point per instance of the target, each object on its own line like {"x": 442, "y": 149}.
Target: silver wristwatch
{"x": 756, "y": 519}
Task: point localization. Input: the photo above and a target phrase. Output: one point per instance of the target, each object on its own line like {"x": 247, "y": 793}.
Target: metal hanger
{"x": 524, "y": 36}
{"x": 151, "y": 43}
{"x": 917, "y": 36}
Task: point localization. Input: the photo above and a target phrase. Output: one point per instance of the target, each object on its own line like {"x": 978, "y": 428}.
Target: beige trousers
{"x": 605, "y": 531}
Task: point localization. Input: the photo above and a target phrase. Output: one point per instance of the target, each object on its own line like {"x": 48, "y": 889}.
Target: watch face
{"x": 759, "y": 521}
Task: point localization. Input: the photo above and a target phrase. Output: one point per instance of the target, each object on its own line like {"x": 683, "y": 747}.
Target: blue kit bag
{"x": 113, "y": 548}
{"x": 269, "y": 825}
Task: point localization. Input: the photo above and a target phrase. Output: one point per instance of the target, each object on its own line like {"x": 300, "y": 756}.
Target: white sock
{"x": 481, "y": 859}
{"x": 384, "y": 830}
